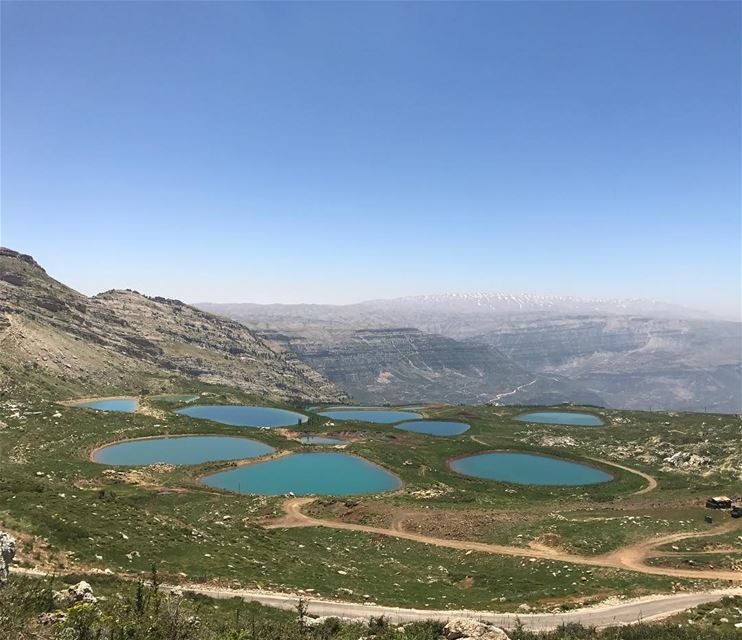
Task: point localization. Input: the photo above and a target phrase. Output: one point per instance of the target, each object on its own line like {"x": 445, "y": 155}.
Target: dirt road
{"x": 627, "y": 612}
{"x": 632, "y": 557}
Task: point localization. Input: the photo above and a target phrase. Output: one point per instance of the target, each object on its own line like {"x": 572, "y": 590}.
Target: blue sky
{"x": 327, "y": 152}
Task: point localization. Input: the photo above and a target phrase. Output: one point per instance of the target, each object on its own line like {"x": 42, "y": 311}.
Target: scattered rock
{"x": 317, "y": 622}
{"x": 80, "y": 592}
{"x": 466, "y": 629}
{"x": 52, "y": 617}
{"x": 7, "y": 553}
{"x": 687, "y": 460}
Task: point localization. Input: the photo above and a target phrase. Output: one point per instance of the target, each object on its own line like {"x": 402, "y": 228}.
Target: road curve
{"x": 628, "y": 612}
{"x": 632, "y": 611}
{"x": 651, "y": 481}
{"x": 632, "y": 557}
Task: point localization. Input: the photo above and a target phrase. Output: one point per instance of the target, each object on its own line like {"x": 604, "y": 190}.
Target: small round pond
{"x": 321, "y": 440}
{"x": 570, "y": 418}
{"x": 180, "y": 450}
{"x": 434, "y": 427}
{"x": 244, "y": 415}
{"x": 528, "y": 468}
{"x": 330, "y": 474}
{"x": 125, "y": 405}
{"x": 379, "y": 416}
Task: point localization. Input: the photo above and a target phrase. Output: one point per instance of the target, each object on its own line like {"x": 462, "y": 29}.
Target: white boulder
{"x": 466, "y": 629}
{"x": 80, "y": 592}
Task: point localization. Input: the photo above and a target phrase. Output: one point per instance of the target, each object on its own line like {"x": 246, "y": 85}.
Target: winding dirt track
{"x": 651, "y": 482}
{"x": 631, "y": 557}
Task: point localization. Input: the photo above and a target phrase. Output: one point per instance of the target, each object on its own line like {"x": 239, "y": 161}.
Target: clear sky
{"x": 321, "y": 152}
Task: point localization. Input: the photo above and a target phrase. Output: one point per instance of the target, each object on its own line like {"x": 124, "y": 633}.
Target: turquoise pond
{"x": 528, "y": 468}
{"x": 434, "y": 427}
{"x": 244, "y": 415}
{"x": 181, "y": 450}
{"x": 562, "y": 417}
{"x": 330, "y": 474}
{"x": 321, "y": 440}
{"x": 379, "y": 416}
{"x": 126, "y": 405}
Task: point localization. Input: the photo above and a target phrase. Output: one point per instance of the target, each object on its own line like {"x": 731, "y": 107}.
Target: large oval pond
{"x": 181, "y": 450}
{"x": 125, "y": 405}
{"x": 379, "y": 416}
{"x": 528, "y": 468}
{"x": 562, "y": 417}
{"x": 244, "y": 415}
{"x": 330, "y": 474}
{"x": 434, "y": 427}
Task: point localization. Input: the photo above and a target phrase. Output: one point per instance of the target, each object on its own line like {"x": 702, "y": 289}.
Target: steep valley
{"x": 509, "y": 350}
{"x": 399, "y": 365}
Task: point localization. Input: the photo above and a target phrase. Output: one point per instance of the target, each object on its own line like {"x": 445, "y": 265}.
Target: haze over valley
{"x": 507, "y": 349}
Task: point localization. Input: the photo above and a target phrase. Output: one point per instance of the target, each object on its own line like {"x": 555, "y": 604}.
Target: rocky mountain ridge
{"x": 525, "y": 303}
{"x": 403, "y": 365}
{"x": 53, "y": 336}
{"x": 645, "y": 360}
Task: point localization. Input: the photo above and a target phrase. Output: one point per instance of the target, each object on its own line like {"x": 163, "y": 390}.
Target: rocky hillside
{"x": 624, "y": 354}
{"x": 407, "y": 365}
{"x": 633, "y": 362}
{"x": 54, "y": 337}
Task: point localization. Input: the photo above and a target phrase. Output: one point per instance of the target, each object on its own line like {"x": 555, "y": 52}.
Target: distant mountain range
{"x": 523, "y": 303}
{"x": 472, "y": 348}
{"x": 513, "y": 349}
{"x": 54, "y": 339}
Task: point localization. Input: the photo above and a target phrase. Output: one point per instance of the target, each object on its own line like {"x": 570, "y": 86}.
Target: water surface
{"x": 332, "y": 474}
{"x": 321, "y": 440}
{"x": 434, "y": 427}
{"x": 125, "y": 405}
{"x": 379, "y": 416}
{"x": 529, "y": 468}
{"x": 244, "y": 415}
{"x": 181, "y": 450}
{"x": 562, "y": 417}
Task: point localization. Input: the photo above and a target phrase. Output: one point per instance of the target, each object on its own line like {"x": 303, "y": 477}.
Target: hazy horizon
{"x": 236, "y": 301}
{"x": 332, "y": 153}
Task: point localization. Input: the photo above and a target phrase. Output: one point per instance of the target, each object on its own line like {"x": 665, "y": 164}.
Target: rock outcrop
{"x": 406, "y": 365}
{"x": 7, "y": 553}
{"x": 55, "y": 337}
{"x": 76, "y": 593}
{"x": 467, "y": 629}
